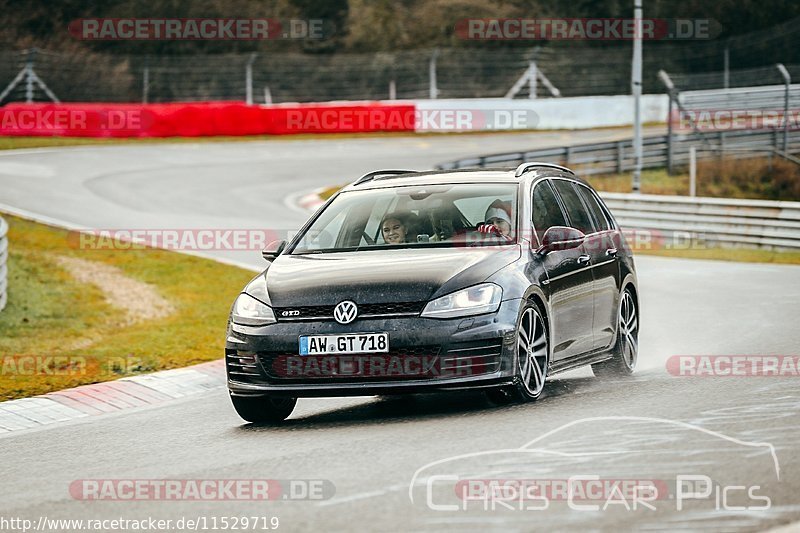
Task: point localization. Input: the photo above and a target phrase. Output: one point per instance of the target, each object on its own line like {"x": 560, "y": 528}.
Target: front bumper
{"x": 459, "y": 353}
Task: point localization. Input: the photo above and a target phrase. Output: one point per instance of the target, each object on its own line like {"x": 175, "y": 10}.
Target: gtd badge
{"x": 345, "y": 312}
{"x": 290, "y": 313}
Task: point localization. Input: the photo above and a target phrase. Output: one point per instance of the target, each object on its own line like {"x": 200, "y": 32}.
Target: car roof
{"x": 395, "y": 178}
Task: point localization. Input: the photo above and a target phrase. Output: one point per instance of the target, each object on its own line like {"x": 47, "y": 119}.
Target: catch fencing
{"x": 471, "y": 70}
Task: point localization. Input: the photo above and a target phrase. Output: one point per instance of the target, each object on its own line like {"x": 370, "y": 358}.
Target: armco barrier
{"x": 732, "y": 222}
{"x": 618, "y": 156}
{"x": 3, "y": 263}
{"x": 202, "y": 119}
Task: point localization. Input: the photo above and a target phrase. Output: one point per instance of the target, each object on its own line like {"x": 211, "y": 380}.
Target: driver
{"x": 497, "y": 219}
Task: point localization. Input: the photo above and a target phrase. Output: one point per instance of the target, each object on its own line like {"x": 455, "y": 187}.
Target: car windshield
{"x": 415, "y": 216}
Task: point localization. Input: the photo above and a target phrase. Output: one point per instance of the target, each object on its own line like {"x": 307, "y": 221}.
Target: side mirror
{"x": 560, "y": 238}
{"x": 273, "y": 250}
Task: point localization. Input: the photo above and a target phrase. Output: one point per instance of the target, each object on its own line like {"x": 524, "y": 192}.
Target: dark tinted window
{"x": 546, "y": 211}
{"x": 594, "y": 207}
{"x": 579, "y": 217}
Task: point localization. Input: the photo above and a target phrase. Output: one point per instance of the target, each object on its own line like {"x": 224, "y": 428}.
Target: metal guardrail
{"x": 685, "y": 107}
{"x": 722, "y": 221}
{"x": 3, "y": 263}
{"x": 618, "y": 156}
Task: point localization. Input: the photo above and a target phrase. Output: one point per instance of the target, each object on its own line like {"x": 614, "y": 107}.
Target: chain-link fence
{"x": 574, "y": 69}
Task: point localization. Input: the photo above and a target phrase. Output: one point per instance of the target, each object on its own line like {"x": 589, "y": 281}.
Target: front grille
{"x": 325, "y": 312}
{"x": 460, "y": 360}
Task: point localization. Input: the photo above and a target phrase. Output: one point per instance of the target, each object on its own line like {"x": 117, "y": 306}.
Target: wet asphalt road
{"x": 377, "y": 453}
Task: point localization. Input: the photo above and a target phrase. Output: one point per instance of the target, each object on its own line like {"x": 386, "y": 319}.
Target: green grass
{"x": 654, "y": 181}
{"x": 747, "y": 255}
{"x": 14, "y": 143}
{"x": 51, "y": 314}
{"x": 755, "y": 178}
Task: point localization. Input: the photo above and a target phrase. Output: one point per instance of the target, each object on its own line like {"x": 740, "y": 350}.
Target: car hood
{"x": 381, "y": 276}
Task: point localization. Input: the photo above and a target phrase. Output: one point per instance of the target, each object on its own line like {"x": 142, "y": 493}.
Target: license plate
{"x": 344, "y": 344}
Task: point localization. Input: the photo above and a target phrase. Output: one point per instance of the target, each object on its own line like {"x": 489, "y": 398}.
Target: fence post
{"x": 29, "y": 75}
{"x": 433, "y": 89}
{"x": 3, "y": 263}
{"x": 567, "y": 154}
{"x": 248, "y": 79}
{"x": 667, "y": 81}
{"x": 787, "y": 79}
{"x": 620, "y": 148}
{"x": 692, "y": 171}
{"x": 533, "y": 74}
{"x": 145, "y": 83}
{"x": 669, "y": 136}
{"x": 392, "y": 90}
{"x": 726, "y": 76}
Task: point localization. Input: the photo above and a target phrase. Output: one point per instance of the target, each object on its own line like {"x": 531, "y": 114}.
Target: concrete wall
{"x": 491, "y": 114}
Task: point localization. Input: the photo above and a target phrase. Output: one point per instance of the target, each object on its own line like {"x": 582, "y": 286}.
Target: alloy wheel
{"x": 532, "y": 350}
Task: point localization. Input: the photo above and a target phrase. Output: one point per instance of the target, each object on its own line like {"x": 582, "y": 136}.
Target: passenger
{"x": 497, "y": 219}
{"x": 394, "y": 228}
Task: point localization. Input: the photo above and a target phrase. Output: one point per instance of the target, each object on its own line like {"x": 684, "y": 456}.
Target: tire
{"x": 531, "y": 359}
{"x": 264, "y": 409}
{"x": 626, "y": 350}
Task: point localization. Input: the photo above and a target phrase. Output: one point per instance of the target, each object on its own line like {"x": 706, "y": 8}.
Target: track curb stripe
{"x": 134, "y": 392}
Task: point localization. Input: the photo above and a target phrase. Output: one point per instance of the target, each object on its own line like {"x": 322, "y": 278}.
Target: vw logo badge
{"x": 345, "y": 312}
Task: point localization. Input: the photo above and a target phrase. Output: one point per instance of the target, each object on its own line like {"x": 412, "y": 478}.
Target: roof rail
{"x": 530, "y": 165}
{"x": 369, "y": 176}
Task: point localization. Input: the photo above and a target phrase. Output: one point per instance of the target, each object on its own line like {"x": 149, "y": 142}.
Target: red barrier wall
{"x": 201, "y": 119}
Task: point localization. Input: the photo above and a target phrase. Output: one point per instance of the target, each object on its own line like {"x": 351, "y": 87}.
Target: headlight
{"x": 248, "y": 311}
{"x": 475, "y": 300}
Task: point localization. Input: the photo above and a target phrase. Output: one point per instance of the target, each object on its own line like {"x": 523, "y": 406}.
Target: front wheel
{"x": 626, "y": 350}
{"x": 264, "y": 409}
{"x": 531, "y": 359}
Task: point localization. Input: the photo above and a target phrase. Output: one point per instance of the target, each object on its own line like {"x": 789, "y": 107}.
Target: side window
{"x": 594, "y": 207}
{"x": 578, "y": 216}
{"x": 546, "y": 210}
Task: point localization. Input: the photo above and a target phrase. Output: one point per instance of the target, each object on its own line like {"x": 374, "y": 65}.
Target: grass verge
{"x": 50, "y": 314}
{"x": 746, "y": 255}
{"x": 15, "y": 143}
{"x": 755, "y": 178}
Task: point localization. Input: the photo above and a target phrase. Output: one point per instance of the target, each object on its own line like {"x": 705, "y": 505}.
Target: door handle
{"x": 584, "y": 259}
{"x": 611, "y": 252}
